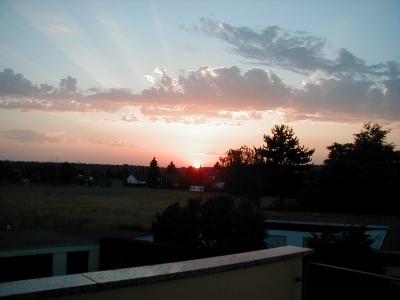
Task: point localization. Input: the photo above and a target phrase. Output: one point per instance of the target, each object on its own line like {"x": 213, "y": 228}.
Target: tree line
{"x": 62, "y": 173}
{"x": 360, "y": 177}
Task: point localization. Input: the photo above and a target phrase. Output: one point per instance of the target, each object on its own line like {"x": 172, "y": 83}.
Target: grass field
{"x": 44, "y": 207}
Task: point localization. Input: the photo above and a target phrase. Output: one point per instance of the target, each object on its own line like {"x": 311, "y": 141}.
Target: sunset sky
{"x": 121, "y": 82}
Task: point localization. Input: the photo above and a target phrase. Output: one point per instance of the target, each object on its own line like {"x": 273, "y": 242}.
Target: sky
{"x": 121, "y": 82}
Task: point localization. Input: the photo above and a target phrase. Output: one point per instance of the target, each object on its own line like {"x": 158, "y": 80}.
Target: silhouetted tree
{"x": 153, "y": 173}
{"x": 213, "y": 226}
{"x": 369, "y": 146}
{"x": 4, "y": 169}
{"x": 95, "y": 174}
{"x": 12, "y": 176}
{"x": 66, "y": 172}
{"x": 245, "y": 173}
{"x": 282, "y": 152}
{"x": 193, "y": 176}
{"x": 171, "y": 169}
{"x": 358, "y": 177}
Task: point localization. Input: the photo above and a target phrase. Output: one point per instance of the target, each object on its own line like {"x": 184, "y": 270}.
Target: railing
{"x": 265, "y": 274}
{"x": 321, "y": 281}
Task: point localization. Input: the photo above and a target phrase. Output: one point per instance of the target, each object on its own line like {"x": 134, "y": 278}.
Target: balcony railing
{"x": 321, "y": 281}
{"x": 266, "y": 274}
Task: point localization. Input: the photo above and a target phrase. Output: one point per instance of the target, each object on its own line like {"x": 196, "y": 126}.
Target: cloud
{"x": 132, "y": 117}
{"x": 212, "y": 153}
{"x": 296, "y": 51}
{"x": 16, "y": 84}
{"x": 121, "y": 143}
{"x": 58, "y": 29}
{"x": 30, "y": 136}
{"x": 75, "y": 141}
{"x": 68, "y": 85}
{"x": 219, "y": 95}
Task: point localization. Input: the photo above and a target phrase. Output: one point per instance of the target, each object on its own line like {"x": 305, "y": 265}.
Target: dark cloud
{"x": 12, "y": 84}
{"x": 297, "y": 51}
{"x": 16, "y": 84}
{"x": 68, "y": 85}
{"x": 30, "y": 136}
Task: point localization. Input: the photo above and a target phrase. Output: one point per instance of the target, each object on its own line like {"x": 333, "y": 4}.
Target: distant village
{"x": 107, "y": 176}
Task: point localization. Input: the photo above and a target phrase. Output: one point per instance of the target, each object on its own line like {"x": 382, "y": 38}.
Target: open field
{"x": 46, "y": 207}
{"x": 43, "y": 207}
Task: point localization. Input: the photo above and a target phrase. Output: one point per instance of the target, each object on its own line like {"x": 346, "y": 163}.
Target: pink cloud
{"x": 199, "y": 96}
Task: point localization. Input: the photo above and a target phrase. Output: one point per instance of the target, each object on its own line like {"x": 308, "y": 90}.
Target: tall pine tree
{"x": 153, "y": 173}
{"x": 282, "y": 152}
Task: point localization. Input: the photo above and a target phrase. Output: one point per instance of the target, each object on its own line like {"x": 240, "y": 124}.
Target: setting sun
{"x": 197, "y": 165}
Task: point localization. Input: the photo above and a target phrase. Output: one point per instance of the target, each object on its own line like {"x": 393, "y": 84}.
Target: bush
{"x": 214, "y": 226}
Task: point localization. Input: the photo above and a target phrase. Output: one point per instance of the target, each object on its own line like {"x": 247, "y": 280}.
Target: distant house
{"x": 82, "y": 180}
{"x": 138, "y": 178}
{"x": 214, "y": 178}
{"x": 171, "y": 179}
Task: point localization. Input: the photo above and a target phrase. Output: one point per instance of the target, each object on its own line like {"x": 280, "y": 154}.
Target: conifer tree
{"x": 153, "y": 173}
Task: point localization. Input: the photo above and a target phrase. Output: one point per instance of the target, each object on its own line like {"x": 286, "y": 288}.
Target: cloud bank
{"x": 214, "y": 93}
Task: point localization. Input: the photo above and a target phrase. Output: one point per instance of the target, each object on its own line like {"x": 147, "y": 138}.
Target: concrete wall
{"x": 266, "y": 274}
{"x": 273, "y": 281}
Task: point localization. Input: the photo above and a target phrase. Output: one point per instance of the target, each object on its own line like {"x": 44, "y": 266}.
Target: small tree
{"x": 281, "y": 152}
{"x": 153, "y": 173}
{"x": 171, "y": 169}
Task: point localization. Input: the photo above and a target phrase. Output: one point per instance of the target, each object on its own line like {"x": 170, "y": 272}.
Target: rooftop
{"x": 391, "y": 241}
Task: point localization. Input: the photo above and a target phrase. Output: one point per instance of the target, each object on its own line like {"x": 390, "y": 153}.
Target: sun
{"x": 197, "y": 165}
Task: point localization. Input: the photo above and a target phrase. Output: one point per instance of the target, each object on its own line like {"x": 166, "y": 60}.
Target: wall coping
{"x": 43, "y": 288}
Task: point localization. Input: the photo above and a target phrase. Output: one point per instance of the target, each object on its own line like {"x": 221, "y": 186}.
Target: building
{"x": 295, "y": 233}
{"x": 294, "y": 228}
{"x": 137, "y": 178}
{"x": 214, "y": 178}
{"x": 36, "y": 253}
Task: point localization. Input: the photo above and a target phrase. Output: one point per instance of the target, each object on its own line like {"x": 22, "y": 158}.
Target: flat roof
{"x": 390, "y": 243}
{"x": 28, "y": 239}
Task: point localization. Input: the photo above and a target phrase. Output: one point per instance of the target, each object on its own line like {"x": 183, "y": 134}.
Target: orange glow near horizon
{"x": 197, "y": 165}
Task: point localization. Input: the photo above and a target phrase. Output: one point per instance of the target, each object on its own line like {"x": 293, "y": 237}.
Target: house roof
{"x": 139, "y": 176}
{"x": 213, "y": 175}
